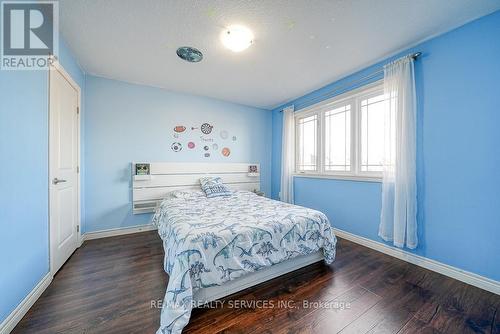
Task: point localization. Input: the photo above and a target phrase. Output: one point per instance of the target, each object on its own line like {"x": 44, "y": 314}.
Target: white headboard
{"x": 148, "y": 190}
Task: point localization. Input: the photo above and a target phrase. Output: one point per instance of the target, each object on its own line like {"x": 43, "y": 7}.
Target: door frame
{"x": 56, "y": 66}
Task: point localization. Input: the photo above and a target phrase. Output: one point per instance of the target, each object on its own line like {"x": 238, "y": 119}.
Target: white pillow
{"x": 214, "y": 187}
{"x": 186, "y": 194}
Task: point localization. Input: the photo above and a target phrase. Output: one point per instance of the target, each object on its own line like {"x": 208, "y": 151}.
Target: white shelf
{"x": 142, "y": 177}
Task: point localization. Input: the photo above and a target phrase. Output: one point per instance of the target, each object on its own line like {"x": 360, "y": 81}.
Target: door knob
{"x": 56, "y": 181}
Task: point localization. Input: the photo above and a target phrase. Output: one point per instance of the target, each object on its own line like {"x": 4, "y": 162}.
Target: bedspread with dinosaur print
{"x": 209, "y": 241}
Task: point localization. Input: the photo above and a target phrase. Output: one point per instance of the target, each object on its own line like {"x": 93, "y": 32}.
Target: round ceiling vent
{"x": 190, "y": 54}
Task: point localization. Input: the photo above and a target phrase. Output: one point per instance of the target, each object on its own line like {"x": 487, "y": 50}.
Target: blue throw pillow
{"x": 213, "y": 187}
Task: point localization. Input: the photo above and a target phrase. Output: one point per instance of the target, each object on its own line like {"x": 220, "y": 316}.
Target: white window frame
{"x": 354, "y": 98}
{"x": 319, "y": 147}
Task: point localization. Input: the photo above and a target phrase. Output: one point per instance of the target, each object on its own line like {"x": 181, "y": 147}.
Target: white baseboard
{"x": 18, "y": 313}
{"x": 117, "y": 231}
{"x": 444, "y": 269}
{"x": 467, "y": 277}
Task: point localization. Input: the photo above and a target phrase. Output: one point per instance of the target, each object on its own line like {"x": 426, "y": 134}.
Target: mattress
{"x": 209, "y": 241}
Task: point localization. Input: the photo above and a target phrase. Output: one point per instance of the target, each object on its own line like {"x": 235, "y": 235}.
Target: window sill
{"x": 357, "y": 178}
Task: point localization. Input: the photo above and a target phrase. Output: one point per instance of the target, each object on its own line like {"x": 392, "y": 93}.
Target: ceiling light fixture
{"x": 189, "y": 54}
{"x": 237, "y": 38}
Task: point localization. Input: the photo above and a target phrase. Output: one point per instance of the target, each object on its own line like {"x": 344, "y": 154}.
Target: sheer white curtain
{"x": 398, "y": 221}
{"x": 287, "y": 155}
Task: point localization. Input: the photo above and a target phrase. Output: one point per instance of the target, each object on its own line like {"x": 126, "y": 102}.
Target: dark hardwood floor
{"x": 111, "y": 285}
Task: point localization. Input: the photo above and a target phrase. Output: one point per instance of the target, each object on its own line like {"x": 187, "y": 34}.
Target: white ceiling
{"x": 300, "y": 45}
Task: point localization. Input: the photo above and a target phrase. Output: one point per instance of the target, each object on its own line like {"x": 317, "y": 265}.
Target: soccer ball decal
{"x": 176, "y": 147}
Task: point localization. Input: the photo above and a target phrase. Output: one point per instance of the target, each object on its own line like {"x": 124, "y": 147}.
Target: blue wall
{"x": 24, "y": 247}
{"x": 458, "y": 156}
{"x": 126, "y": 122}
{"x": 458, "y": 85}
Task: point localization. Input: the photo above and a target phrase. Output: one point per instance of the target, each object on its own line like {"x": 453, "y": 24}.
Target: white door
{"x": 63, "y": 167}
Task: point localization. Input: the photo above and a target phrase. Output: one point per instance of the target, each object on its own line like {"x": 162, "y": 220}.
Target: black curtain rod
{"x": 334, "y": 92}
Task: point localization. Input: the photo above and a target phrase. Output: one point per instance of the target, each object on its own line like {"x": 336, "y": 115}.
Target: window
{"x": 343, "y": 137}
{"x": 338, "y": 139}
{"x": 373, "y": 111}
{"x": 307, "y": 133}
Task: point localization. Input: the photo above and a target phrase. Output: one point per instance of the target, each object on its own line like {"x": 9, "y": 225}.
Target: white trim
{"x": 18, "y": 313}
{"x": 56, "y": 65}
{"x": 357, "y": 178}
{"x": 117, "y": 231}
{"x": 441, "y": 268}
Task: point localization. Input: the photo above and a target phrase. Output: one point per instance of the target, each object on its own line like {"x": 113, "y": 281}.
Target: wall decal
{"x": 206, "y": 128}
{"x": 226, "y": 151}
{"x": 206, "y": 139}
{"x": 176, "y": 147}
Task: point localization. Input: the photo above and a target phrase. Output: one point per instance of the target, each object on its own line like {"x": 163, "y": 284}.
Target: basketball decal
{"x": 226, "y": 151}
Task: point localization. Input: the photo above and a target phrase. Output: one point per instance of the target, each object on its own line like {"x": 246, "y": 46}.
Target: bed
{"x": 214, "y": 245}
